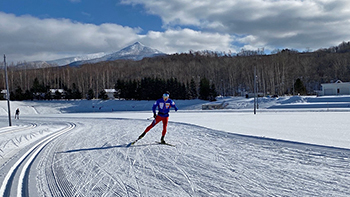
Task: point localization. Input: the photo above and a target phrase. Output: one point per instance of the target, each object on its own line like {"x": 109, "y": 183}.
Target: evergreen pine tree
{"x": 57, "y": 95}
{"x": 204, "y": 89}
{"x": 120, "y": 89}
{"x": 18, "y": 95}
{"x": 193, "y": 89}
{"x": 90, "y": 94}
{"x": 76, "y": 94}
{"x": 299, "y": 87}
{"x": 213, "y": 93}
{"x": 103, "y": 95}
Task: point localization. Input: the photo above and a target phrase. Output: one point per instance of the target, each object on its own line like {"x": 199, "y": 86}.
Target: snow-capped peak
{"x": 136, "y": 51}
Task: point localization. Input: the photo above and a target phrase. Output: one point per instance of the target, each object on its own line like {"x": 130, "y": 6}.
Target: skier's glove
{"x": 176, "y": 109}
{"x": 154, "y": 115}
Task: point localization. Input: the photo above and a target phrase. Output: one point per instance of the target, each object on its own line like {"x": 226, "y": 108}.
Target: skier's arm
{"x": 154, "y": 109}
{"x": 173, "y": 105}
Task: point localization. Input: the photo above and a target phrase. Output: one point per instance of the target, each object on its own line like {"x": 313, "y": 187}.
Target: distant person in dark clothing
{"x": 17, "y": 114}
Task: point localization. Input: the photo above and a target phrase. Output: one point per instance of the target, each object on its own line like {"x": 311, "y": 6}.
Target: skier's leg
{"x": 165, "y": 124}
{"x": 154, "y": 122}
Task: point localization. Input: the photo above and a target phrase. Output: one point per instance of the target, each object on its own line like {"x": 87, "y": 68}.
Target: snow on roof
{"x": 110, "y": 90}
{"x": 337, "y": 82}
{"x": 54, "y": 90}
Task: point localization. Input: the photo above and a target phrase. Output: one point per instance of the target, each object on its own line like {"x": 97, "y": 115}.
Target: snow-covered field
{"x": 293, "y": 146}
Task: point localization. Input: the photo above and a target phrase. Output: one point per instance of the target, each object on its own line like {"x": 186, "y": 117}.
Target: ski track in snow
{"x": 19, "y": 148}
{"x": 93, "y": 160}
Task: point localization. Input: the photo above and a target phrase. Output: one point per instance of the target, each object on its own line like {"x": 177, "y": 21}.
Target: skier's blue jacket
{"x": 163, "y": 107}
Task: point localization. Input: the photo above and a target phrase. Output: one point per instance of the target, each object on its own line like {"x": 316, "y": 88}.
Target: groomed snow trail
{"x": 93, "y": 160}
{"x": 20, "y": 145}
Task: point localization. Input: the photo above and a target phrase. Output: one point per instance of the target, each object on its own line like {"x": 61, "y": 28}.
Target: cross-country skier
{"x": 17, "y": 114}
{"x": 163, "y": 104}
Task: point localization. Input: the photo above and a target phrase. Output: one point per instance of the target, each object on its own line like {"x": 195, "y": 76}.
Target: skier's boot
{"x": 142, "y": 135}
{"x": 162, "y": 140}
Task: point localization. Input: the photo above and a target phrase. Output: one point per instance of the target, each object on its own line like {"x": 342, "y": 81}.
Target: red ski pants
{"x": 156, "y": 121}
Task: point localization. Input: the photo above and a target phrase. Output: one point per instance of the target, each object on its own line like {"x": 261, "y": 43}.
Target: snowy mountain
{"x": 136, "y": 51}
{"x": 68, "y": 60}
{"x": 33, "y": 65}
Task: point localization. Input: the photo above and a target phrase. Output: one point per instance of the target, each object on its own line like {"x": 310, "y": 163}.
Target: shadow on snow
{"x": 106, "y": 146}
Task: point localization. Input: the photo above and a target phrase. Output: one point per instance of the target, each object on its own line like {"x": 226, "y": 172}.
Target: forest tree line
{"x": 276, "y": 74}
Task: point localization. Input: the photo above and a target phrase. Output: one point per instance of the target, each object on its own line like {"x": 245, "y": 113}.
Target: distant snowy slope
{"x": 136, "y": 51}
{"x": 66, "y": 61}
{"x": 59, "y": 62}
{"x": 33, "y": 65}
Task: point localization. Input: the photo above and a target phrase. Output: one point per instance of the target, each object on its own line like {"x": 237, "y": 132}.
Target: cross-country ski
{"x": 164, "y": 143}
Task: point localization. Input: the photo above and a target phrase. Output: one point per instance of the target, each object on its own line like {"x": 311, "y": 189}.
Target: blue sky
{"x": 53, "y": 29}
{"x": 86, "y": 11}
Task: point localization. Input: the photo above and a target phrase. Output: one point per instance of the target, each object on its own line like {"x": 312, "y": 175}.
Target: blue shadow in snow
{"x": 104, "y": 147}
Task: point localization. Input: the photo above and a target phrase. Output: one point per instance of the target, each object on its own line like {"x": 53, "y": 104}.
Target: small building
{"x": 337, "y": 88}
{"x": 3, "y": 94}
{"x": 53, "y": 91}
{"x": 57, "y": 92}
{"x": 110, "y": 93}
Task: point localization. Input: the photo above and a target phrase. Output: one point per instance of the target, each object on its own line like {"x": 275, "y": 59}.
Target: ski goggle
{"x": 165, "y": 95}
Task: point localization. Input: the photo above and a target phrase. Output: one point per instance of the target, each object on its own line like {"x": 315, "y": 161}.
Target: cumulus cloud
{"x": 225, "y": 25}
{"x": 176, "y": 40}
{"x": 29, "y": 38}
{"x": 273, "y": 24}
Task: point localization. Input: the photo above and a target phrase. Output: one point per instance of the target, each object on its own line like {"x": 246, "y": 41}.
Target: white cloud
{"x": 183, "y": 40}
{"x": 274, "y": 23}
{"x": 216, "y": 25}
{"x": 26, "y": 38}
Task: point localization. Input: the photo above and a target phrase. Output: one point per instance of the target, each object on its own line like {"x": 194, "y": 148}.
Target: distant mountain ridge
{"x": 136, "y": 51}
{"x": 69, "y": 60}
